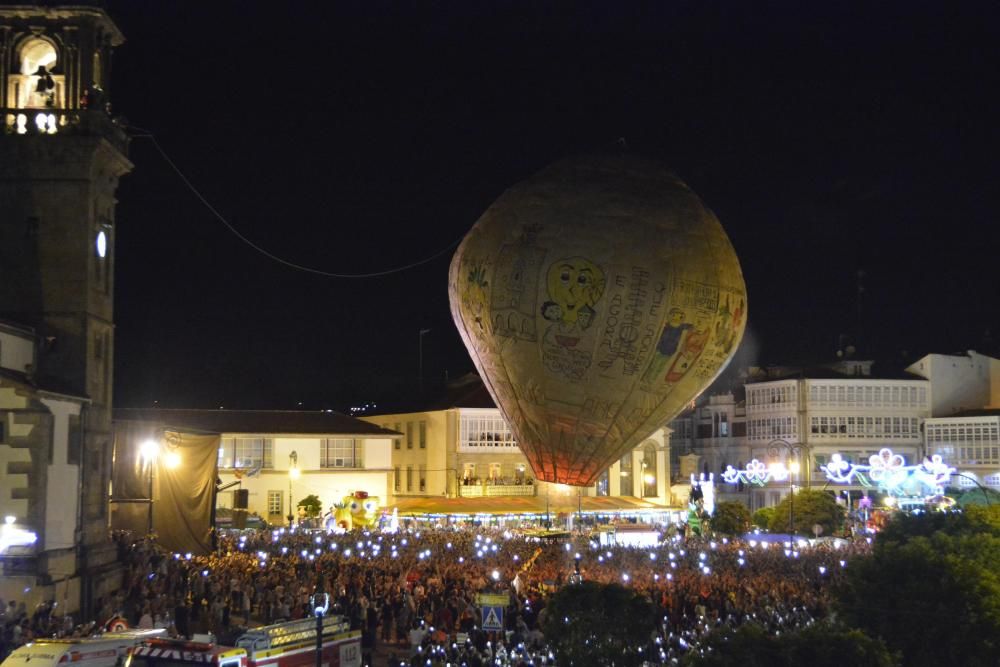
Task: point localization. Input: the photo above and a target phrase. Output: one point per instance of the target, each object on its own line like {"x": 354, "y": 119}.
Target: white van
{"x": 101, "y": 651}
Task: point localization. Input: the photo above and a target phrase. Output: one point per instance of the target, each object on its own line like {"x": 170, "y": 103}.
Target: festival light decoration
{"x": 756, "y": 472}
{"x": 12, "y": 536}
{"x": 885, "y": 470}
{"x": 888, "y": 471}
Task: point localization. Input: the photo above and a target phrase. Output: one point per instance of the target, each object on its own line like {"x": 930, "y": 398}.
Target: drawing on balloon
{"x": 727, "y": 326}
{"x": 575, "y": 285}
{"x": 475, "y": 297}
{"x": 668, "y": 344}
{"x": 590, "y": 335}
{"x": 515, "y": 287}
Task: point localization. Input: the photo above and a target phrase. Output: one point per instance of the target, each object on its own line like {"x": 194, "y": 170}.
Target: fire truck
{"x": 106, "y": 650}
{"x": 291, "y": 644}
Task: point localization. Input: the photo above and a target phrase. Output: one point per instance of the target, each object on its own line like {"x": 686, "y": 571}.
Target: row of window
{"x": 409, "y": 428}
{"x": 969, "y": 454}
{"x": 966, "y": 480}
{"x": 339, "y": 453}
{"x": 773, "y": 427}
{"x": 246, "y": 453}
{"x": 766, "y": 396}
{"x": 963, "y": 432}
{"x": 485, "y": 430}
{"x": 868, "y": 395}
{"x": 865, "y": 427}
{"x": 681, "y": 429}
{"x": 397, "y": 478}
{"x": 259, "y": 453}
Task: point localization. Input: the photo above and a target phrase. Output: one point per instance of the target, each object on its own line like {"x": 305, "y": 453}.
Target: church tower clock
{"x": 61, "y": 156}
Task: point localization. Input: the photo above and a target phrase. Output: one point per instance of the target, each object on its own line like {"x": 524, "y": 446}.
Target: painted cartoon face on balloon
{"x": 575, "y": 283}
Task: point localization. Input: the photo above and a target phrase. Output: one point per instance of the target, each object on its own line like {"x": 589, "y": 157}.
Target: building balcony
{"x": 50, "y": 121}
{"x": 495, "y": 490}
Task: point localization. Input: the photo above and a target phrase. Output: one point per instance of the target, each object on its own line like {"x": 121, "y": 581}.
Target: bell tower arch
{"x": 61, "y": 156}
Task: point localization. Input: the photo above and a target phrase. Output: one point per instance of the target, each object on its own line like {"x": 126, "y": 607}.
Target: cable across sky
{"x": 146, "y": 134}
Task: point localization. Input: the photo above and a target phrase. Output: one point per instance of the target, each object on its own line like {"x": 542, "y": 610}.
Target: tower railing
{"x": 50, "y": 121}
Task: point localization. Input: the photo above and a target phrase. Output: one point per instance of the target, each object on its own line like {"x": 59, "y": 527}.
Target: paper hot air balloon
{"x": 597, "y": 299}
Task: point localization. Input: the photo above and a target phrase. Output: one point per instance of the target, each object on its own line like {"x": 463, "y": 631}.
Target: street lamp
{"x": 321, "y": 604}
{"x": 548, "y": 486}
{"x": 293, "y": 474}
{"x": 793, "y": 469}
{"x": 172, "y": 459}
{"x": 975, "y": 481}
{"x": 796, "y": 450}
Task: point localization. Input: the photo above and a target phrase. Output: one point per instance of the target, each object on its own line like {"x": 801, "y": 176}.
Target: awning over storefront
{"x": 526, "y": 505}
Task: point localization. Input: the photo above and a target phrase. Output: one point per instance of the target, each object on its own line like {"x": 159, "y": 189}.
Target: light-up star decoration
{"x": 12, "y": 536}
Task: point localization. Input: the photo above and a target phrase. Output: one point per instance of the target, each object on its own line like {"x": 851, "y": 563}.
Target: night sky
{"x": 357, "y": 137}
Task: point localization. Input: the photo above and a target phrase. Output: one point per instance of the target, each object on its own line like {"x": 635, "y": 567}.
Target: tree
{"x": 810, "y": 508}
{"x": 598, "y": 624}
{"x": 820, "y": 645}
{"x": 931, "y": 588}
{"x": 311, "y": 505}
{"x": 730, "y": 518}
{"x": 762, "y": 517}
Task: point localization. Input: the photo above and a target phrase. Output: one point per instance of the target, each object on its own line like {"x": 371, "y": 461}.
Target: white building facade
{"x": 40, "y": 477}
{"x": 791, "y": 415}
{"x": 960, "y": 382}
{"x": 970, "y": 442}
{"x": 280, "y": 457}
{"x": 471, "y": 452}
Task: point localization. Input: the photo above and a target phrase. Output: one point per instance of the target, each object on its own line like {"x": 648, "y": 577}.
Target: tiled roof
{"x": 297, "y": 422}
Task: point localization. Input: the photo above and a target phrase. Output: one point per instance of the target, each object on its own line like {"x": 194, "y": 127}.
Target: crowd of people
{"x": 413, "y": 593}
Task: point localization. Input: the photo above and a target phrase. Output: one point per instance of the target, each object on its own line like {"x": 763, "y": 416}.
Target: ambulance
{"x": 291, "y": 644}
{"x": 106, "y": 650}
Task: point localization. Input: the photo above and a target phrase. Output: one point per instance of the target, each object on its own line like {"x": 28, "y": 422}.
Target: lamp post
{"x": 293, "y": 474}
{"x": 793, "y": 449}
{"x": 321, "y": 603}
{"x": 975, "y": 481}
{"x": 149, "y": 450}
{"x": 793, "y": 469}
{"x": 548, "y": 486}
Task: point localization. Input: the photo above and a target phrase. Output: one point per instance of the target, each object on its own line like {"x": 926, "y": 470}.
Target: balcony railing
{"x": 495, "y": 490}
{"x": 42, "y": 122}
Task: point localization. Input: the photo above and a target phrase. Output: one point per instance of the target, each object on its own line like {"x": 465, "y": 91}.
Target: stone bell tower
{"x": 61, "y": 155}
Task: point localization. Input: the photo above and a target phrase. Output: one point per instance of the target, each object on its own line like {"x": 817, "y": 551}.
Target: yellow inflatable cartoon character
{"x": 342, "y": 516}
{"x": 363, "y": 509}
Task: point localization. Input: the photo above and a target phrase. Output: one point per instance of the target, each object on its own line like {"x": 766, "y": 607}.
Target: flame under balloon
{"x": 597, "y": 299}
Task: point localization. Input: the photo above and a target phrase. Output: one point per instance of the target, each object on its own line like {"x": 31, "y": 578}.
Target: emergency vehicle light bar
{"x": 293, "y": 632}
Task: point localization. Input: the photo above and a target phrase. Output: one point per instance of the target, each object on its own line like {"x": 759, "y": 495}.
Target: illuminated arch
{"x": 33, "y": 52}
{"x": 37, "y": 50}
